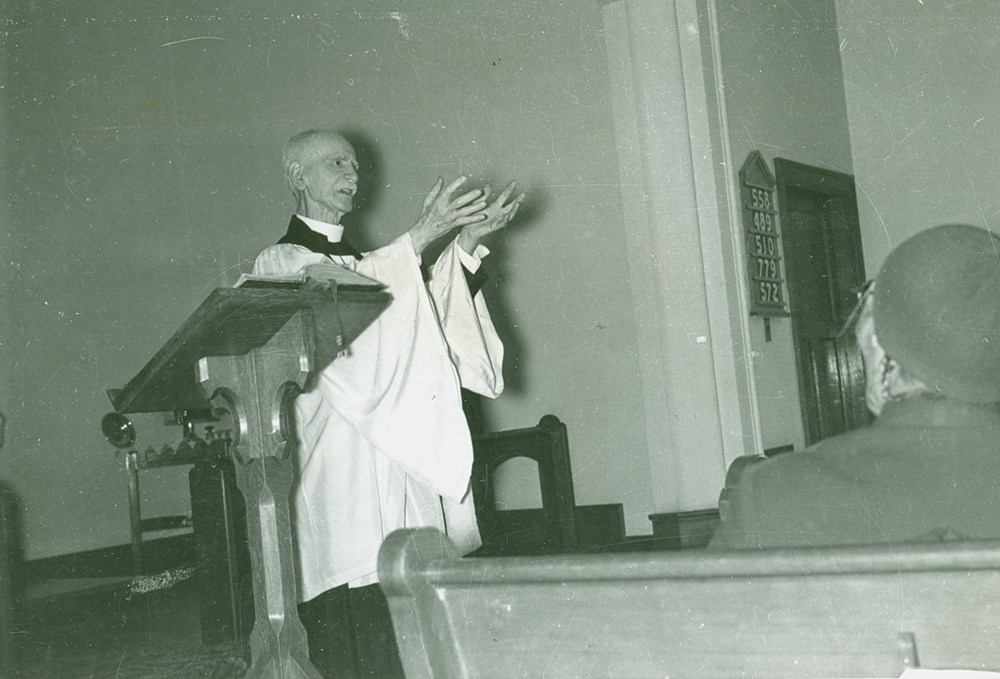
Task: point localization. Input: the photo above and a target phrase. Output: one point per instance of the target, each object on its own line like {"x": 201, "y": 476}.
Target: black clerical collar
{"x": 300, "y": 234}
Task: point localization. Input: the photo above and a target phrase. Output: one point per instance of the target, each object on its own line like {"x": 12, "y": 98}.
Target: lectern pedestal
{"x": 251, "y": 351}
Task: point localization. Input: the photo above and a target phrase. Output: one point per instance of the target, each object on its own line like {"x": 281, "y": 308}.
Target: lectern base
{"x": 225, "y": 584}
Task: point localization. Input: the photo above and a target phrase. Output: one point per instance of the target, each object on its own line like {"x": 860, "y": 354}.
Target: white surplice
{"x": 384, "y": 443}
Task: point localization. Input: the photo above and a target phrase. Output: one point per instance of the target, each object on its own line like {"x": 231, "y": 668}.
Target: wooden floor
{"x": 77, "y": 627}
{"x": 84, "y": 628}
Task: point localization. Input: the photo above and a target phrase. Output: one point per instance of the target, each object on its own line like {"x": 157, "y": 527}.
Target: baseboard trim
{"x": 683, "y": 530}
{"x": 159, "y": 554}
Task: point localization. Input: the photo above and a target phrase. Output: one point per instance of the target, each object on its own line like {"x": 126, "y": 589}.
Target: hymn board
{"x": 765, "y": 263}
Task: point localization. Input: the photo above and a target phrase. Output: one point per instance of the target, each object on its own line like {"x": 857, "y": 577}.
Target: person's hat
{"x": 937, "y": 310}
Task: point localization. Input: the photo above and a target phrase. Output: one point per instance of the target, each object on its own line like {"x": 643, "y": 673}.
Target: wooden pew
{"x": 819, "y": 612}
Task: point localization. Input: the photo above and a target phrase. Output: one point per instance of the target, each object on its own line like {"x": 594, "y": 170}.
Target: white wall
{"x": 144, "y": 144}
{"x": 923, "y": 90}
{"x": 784, "y": 98}
{"x": 141, "y": 171}
{"x": 777, "y": 71}
{"x": 683, "y": 256}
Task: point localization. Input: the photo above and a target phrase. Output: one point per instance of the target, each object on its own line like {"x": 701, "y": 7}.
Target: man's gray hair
{"x": 298, "y": 143}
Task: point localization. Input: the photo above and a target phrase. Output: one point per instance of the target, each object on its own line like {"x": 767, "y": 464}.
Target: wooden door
{"x": 824, "y": 269}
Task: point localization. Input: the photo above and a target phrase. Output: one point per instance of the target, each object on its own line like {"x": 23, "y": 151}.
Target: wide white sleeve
{"x": 397, "y": 384}
{"x": 475, "y": 347}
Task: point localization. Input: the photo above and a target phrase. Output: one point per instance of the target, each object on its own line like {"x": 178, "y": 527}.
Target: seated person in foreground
{"x": 929, "y": 466}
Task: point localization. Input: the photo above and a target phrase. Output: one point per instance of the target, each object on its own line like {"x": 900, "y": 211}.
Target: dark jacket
{"x": 926, "y": 469}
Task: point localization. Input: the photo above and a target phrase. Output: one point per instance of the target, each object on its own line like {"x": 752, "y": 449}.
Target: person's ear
{"x": 295, "y": 177}
{"x": 864, "y": 325}
{"x": 872, "y": 355}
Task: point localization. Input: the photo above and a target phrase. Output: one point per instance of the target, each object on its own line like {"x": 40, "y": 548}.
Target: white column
{"x": 680, "y": 204}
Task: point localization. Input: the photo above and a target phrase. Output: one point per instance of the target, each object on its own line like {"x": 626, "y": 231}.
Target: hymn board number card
{"x": 768, "y": 293}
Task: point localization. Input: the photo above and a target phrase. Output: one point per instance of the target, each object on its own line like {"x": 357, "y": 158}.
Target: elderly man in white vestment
{"x": 383, "y": 440}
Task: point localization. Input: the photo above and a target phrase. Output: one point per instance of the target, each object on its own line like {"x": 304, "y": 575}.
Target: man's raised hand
{"x": 443, "y": 212}
{"x": 498, "y": 214}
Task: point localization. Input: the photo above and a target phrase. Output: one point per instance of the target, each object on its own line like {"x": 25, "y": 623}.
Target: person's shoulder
{"x": 811, "y": 461}
{"x": 831, "y": 457}
{"x": 855, "y": 452}
{"x": 286, "y": 248}
{"x": 285, "y": 258}
{"x": 778, "y": 501}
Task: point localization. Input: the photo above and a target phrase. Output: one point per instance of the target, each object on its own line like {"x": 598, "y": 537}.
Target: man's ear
{"x": 872, "y": 355}
{"x": 295, "y": 178}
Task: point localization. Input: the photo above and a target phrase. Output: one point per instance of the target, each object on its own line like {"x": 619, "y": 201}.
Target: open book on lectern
{"x": 343, "y": 278}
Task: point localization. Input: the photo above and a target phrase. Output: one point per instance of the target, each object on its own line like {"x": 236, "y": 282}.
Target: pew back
{"x": 819, "y": 612}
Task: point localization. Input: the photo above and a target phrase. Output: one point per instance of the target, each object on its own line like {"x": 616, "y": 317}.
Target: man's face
{"x": 327, "y": 175}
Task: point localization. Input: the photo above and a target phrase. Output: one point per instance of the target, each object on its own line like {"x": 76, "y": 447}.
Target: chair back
{"x": 547, "y": 444}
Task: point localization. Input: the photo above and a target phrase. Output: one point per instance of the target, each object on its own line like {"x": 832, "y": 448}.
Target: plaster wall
{"x": 143, "y": 146}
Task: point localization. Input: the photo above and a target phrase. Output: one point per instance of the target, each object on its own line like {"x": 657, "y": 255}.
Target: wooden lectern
{"x": 254, "y": 349}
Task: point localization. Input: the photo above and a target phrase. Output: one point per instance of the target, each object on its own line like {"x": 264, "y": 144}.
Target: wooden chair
{"x": 818, "y": 612}
{"x": 547, "y": 444}
{"x": 138, "y": 525}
